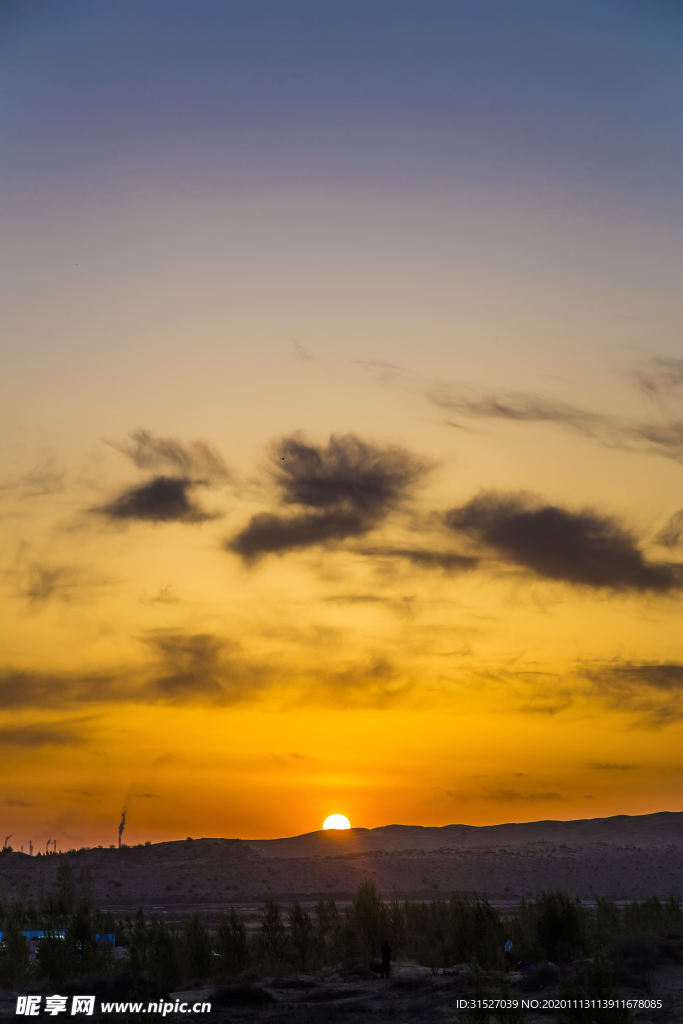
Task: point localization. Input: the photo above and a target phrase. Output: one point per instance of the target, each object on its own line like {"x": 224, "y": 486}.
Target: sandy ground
{"x": 411, "y": 996}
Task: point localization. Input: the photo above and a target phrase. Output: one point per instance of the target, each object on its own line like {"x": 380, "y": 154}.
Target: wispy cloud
{"x": 664, "y": 439}
{"x": 464, "y": 404}
{"x": 194, "y": 459}
{"x": 660, "y": 377}
{"x": 46, "y": 477}
{"x": 652, "y": 690}
{"x": 672, "y": 532}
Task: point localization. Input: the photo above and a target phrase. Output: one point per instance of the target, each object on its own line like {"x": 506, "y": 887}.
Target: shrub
{"x": 197, "y": 947}
{"x": 369, "y": 919}
{"x": 232, "y": 943}
{"x": 272, "y": 935}
{"x": 300, "y": 933}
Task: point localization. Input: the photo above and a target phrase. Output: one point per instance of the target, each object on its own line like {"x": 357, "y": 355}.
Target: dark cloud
{"x": 162, "y": 500}
{"x": 40, "y": 735}
{"x": 194, "y": 459}
{"x": 19, "y": 803}
{"x": 671, "y": 533}
{"x": 611, "y": 767}
{"x": 344, "y": 489}
{"x": 660, "y": 376}
{"x": 663, "y": 677}
{"x": 582, "y": 548}
{"x": 148, "y": 796}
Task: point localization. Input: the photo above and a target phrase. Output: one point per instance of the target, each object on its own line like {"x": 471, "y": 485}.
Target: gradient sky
{"x": 342, "y": 414}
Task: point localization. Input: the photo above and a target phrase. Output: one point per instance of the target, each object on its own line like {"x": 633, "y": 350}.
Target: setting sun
{"x": 336, "y": 821}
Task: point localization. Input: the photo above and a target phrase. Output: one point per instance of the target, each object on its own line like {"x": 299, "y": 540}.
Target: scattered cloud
{"x": 162, "y": 500}
{"x": 148, "y": 796}
{"x": 194, "y": 459}
{"x": 19, "y": 803}
{"x": 659, "y": 378}
{"x": 581, "y": 548}
{"x": 343, "y": 489}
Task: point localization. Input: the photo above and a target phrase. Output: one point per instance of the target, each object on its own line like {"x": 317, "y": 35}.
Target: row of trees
{"x": 554, "y": 927}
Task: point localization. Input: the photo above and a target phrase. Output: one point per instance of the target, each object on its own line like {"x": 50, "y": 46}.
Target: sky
{"x": 341, "y": 392}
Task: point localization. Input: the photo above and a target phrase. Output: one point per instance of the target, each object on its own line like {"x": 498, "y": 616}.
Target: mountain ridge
{"x": 656, "y": 829}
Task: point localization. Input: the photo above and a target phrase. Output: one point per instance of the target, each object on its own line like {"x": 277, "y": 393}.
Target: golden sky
{"x": 340, "y": 464}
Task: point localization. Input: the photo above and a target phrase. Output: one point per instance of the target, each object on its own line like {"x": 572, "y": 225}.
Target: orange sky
{"x": 337, "y": 475}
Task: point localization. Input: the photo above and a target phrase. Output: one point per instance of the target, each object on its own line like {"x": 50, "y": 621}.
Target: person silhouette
{"x": 386, "y": 959}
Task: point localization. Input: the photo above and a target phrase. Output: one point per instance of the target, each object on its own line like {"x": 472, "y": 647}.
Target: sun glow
{"x": 336, "y": 821}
